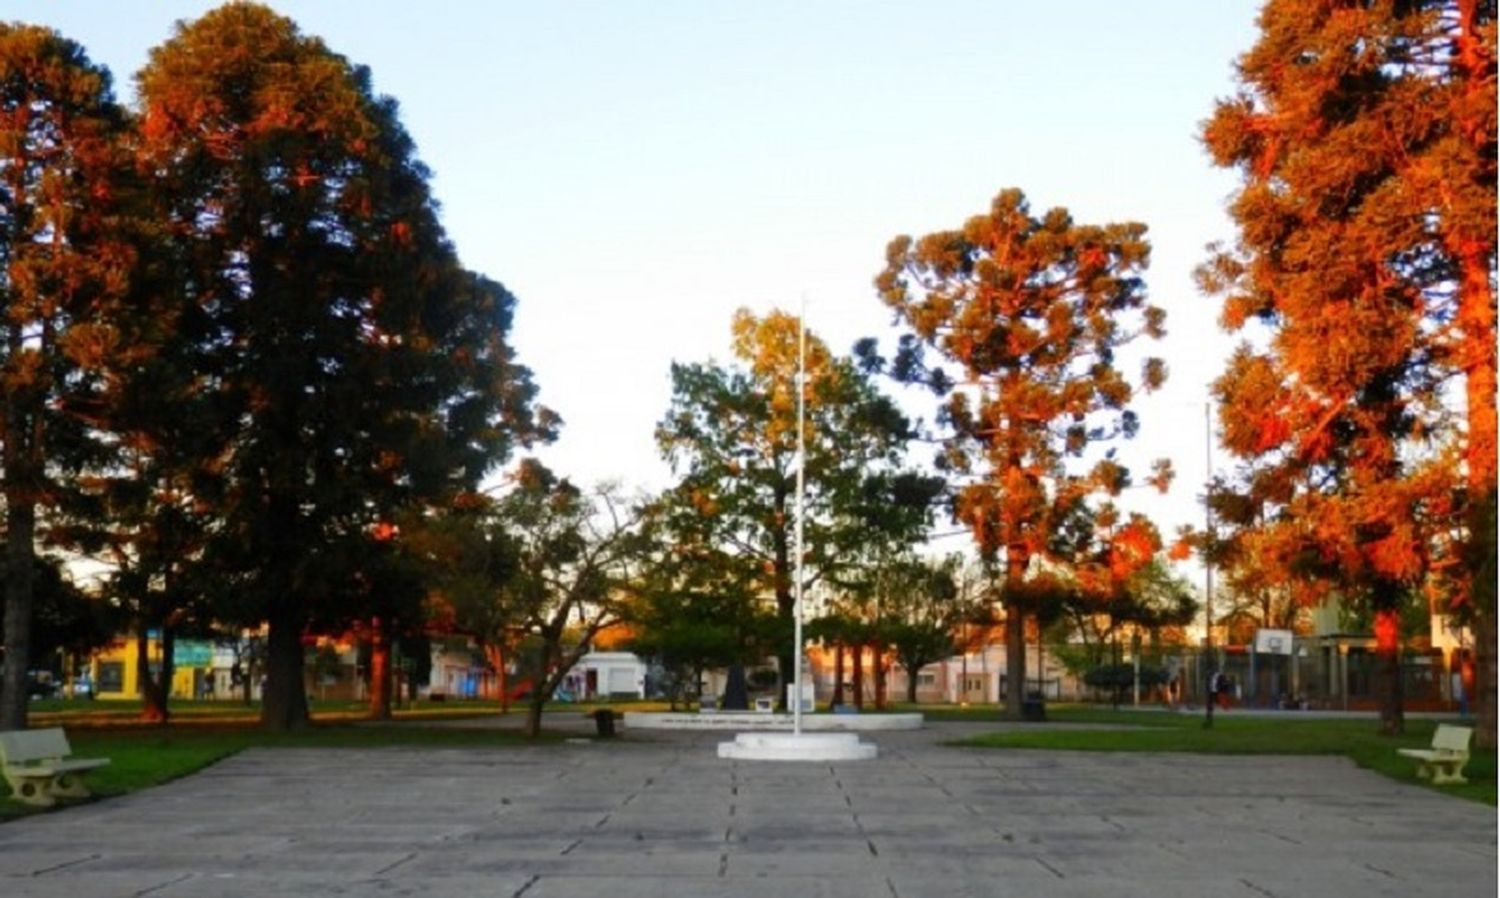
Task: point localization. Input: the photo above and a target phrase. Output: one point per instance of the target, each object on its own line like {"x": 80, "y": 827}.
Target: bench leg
{"x": 69, "y": 785}
{"x": 1447, "y": 774}
{"x": 32, "y": 790}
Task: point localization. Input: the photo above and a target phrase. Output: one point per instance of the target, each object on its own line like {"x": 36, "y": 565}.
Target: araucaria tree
{"x": 355, "y": 369}
{"x": 63, "y": 275}
{"x": 1365, "y": 135}
{"x": 731, "y": 434}
{"x": 1031, "y": 313}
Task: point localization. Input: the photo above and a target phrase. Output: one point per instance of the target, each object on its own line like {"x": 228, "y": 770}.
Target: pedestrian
{"x": 1218, "y": 688}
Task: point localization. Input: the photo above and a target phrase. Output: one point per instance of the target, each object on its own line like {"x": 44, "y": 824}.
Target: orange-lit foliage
{"x": 1029, "y": 310}
{"x": 63, "y": 313}
{"x": 1365, "y": 138}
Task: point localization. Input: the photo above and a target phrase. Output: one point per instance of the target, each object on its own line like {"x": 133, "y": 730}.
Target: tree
{"x": 921, "y": 610}
{"x": 355, "y": 368}
{"x": 688, "y": 631}
{"x": 695, "y": 613}
{"x": 1032, "y": 311}
{"x": 731, "y": 433}
{"x": 64, "y": 619}
{"x": 577, "y": 559}
{"x": 1365, "y": 137}
{"x": 63, "y": 269}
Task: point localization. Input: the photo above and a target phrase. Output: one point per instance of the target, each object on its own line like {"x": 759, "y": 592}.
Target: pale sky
{"x": 634, "y": 171}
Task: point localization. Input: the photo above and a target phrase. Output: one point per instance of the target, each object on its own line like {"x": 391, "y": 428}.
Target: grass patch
{"x": 1356, "y": 739}
{"x": 141, "y": 757}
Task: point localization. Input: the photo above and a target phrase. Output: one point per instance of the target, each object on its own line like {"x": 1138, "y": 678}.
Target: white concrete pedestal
{"x": 797, "y": 747}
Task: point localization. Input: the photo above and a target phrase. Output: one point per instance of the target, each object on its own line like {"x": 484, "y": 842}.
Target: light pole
{"x": 1208, "y": 565}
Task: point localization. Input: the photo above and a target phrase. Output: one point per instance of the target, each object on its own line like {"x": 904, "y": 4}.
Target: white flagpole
{"x": 801, "y": 464}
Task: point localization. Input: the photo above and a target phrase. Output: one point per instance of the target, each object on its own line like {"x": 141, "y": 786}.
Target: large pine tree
{"x": 63, "y": 273}
{"x": 1031, "y": 312}
{"x": 355, "y": 368}
{"x": 1365, "y": 135}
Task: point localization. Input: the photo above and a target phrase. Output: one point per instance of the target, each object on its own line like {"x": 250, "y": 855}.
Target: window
{"x": 112, "y": 676}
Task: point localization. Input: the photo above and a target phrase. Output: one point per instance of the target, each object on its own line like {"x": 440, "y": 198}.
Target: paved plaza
{"x": 658, "y": 814}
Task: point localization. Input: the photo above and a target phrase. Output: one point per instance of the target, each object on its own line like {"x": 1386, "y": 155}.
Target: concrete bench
{"x": 1444, "y": 762}
{"x": 38, "y": 769}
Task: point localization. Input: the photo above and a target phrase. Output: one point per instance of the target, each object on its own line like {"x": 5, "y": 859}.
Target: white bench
{"x": 37, "y": 766}
{"x": 1444, "y": 762}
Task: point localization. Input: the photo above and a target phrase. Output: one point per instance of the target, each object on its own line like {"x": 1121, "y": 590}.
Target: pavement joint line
{"x": 574, "y": 844}
{"x": 1382, "y": 872}
{"x": 723, "y": 864}
{"x": 892, "y": 886}
{"x": 1049, "y": 868}
{"x": 162, "y": 885}
{"x": 526, "y": 885}
{"x": 389, "y": 867}
{"x": 871, "y": 843}
{"x": 65, "y": 864}
{"x": 1257, "y": 889}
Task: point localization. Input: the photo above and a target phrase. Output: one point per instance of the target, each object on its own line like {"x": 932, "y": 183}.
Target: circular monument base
{"x": 797, "y": 747}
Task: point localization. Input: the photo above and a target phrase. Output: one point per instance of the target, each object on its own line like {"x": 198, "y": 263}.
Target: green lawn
{"x": 1356, "y": 739}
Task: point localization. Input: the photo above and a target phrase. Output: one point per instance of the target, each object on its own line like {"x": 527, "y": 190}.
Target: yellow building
{"x": 113, "y": 668}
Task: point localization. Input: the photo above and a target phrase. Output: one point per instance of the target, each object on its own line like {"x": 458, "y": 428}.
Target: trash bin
{"x": 604, "y": 722}
{"x": 1034, "y": 707}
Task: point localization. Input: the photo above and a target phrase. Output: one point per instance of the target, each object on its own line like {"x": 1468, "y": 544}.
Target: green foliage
{"x": 731, "y": 434}
{"x": 549, "y": 567}
{"x": 63, "y": 617}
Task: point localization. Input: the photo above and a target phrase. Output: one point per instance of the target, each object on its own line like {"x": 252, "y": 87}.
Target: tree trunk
{"x": 20, "y": 555}
{"x": 284, "y": 702}
{"x": 534, "y": 714}
{"x": 877, "y": 655}
{"x": 1016, "y": 561}
{"x": 1483, "y": 580}
{"x": 857, "y": 655}
{"x": 911, "y": 684}
{"x": 782, "y": 570}
{"x": 495, "y": 655}
{"x": 1388, "y": 676}
{"x": 156, "y": 691}
{"x": 380, "y": 671}
{"x": 838, "y": 673}
{"x": 1476, "y": 317}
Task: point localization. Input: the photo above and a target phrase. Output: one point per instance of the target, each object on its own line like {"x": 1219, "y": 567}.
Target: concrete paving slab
{"x": 665, "y": 816}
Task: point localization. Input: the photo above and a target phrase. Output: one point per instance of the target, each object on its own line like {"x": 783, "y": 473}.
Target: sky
{"x": 634, "y": 172}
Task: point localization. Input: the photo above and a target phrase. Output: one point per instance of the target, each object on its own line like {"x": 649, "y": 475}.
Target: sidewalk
{"x": 657, "y": 814}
